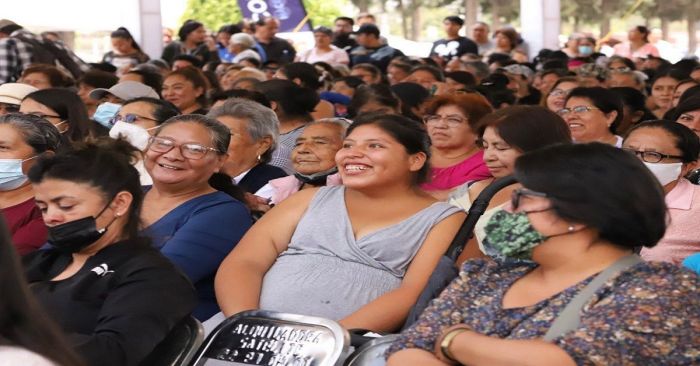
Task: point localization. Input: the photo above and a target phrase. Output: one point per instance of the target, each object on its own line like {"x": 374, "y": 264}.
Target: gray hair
{"x": 36, "y": 132}
{"x": 481, "y": 68}
{"x": 262, "y": 121}
{"x": 639, "y": 77}
{"x": 220, "y": 134}
{"x": 344, "y": 123}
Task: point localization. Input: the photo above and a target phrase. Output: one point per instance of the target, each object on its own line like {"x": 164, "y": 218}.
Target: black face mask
{"x": 72, "y": 237}
{"x": 316, "y": 179}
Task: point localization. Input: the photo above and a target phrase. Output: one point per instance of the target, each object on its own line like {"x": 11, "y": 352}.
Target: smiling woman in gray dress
{"x": 360, "y": 253}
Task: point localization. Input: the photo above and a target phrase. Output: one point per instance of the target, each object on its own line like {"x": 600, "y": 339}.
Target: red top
{"x": 26, "y": 226}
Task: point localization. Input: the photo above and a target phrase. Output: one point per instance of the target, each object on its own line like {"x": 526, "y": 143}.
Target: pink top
{"x": 287, "y": 186}
{"x": 335, "y": 57}
{"x": 470, "y": 169}
{"x": 623, "y": 49}
{"x": 682, "y": 236}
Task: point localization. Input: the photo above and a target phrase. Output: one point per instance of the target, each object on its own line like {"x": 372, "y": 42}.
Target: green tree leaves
{"x": 215, "y": 13}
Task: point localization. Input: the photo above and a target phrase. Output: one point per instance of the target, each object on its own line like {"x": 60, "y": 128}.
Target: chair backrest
{"x": 179, "y": 346}
{"x": 259, "y": 337}
{"x": 372, "y": 352}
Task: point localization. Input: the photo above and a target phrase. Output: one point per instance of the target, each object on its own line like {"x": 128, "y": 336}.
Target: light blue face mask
{"x": 585, "y": 50}
{"x": 105, "y": 112}
{"x": 11, "y": 175}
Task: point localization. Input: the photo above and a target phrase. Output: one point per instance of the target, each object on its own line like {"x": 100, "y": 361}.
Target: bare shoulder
{"x": 476, "y": 188}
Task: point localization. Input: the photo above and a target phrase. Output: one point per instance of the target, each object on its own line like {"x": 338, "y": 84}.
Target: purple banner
{"x": 291, "y": 13}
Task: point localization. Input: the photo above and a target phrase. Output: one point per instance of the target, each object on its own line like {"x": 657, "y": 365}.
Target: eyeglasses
{"x": 651, "y": 156}
{"x": 520, "y": 192}
{"x": 129, "y": 118}
{"x": 578, "y": 110}
{"x": 189, "y": 151}
{"x": 9, "y": 108}
{"x": 451, "y": 120}
{"x": 559, "y": 92}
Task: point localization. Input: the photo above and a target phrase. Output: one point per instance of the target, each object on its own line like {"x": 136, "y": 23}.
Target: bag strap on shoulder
{"x": 570, "y": 317}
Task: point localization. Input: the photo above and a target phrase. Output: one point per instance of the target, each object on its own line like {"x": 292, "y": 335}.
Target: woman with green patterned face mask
{"x": 504, "y": 136}
{"x": 581, "y": 211}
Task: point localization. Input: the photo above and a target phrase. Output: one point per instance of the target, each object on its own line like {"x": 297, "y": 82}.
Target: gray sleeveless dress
{"x": 325, "y": 272}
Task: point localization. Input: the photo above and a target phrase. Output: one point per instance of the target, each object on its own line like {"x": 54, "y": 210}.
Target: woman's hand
{"x": 256, "y": 203}
{"x": 475, "y": 349}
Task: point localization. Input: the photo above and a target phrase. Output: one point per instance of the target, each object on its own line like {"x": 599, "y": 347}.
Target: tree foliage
{"x": 215, "y": 13}
{"x": 505, "y": 10}
{"x": 323, "y": 12}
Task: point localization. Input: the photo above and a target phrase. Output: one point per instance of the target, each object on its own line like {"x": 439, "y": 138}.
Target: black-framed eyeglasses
{"x": 651, "y": 156}
{"x": 520, "y": 192}
{"x": 577, "y": 109}
{"x": 129, "y": 118}
{"x": 190, "y": 151}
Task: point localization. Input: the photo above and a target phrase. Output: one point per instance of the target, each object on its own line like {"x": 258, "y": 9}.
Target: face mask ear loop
{"x": 33, "y": 157}
{"x": 103, "y": 210}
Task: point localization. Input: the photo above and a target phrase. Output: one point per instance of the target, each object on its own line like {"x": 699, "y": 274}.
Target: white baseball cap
{"x": 13, "y": 93}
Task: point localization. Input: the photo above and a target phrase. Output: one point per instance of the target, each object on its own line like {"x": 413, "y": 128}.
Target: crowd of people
{"x": 236, "y": 172}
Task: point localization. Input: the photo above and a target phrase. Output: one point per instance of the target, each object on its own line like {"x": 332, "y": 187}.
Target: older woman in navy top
{"x": 193, "y": 224}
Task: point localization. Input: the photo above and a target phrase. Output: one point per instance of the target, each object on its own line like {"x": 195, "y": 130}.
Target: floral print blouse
{"x": 647, "y": 315}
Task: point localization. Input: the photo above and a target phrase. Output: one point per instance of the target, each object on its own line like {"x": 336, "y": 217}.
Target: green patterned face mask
{"x": 511, "y": 235}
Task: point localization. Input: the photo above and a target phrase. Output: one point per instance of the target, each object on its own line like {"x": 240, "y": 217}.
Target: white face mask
{"x": 136, "y": 135}
{"x": 665, "y": 173}
{"x": 11, "y": 174}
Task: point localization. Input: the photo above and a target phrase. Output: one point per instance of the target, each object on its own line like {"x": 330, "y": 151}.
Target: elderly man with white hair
{"x": 241, "y": 44}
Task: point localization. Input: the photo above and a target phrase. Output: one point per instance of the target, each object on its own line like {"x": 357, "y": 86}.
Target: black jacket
{"x": 278, "y": 50}
{"x": 259, "y": 175}
{"x": 118, "y": 306}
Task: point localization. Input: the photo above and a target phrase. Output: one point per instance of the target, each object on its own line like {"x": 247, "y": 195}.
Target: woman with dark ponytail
{"x": 293, "y": 105}
{"x": 115, "y": 295}
{"x": 125, "y": 53}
